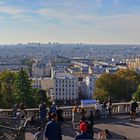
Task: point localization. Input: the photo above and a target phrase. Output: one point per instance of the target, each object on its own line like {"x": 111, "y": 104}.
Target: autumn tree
{"x": 119, "y": 86}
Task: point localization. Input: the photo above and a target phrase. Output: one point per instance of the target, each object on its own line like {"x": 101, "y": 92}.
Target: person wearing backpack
{"x": 38, "y": 135}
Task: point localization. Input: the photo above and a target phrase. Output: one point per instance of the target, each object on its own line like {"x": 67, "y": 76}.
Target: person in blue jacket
{"x": 53, "y": 129}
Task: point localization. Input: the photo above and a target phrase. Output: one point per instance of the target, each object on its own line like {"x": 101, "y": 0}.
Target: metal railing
{"x": 12, "y": 129}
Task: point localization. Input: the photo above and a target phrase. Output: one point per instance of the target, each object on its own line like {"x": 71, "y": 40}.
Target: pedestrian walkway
{"x": 118, "y": 125}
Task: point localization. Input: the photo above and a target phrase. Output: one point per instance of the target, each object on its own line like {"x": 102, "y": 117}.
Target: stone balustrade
{"x": 117, "y": 108}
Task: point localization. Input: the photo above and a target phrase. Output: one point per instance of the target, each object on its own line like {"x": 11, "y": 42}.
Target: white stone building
{"x": 65, "y": 87}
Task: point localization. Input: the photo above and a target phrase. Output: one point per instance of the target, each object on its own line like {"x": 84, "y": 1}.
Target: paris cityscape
{"x": 69, "y": 70}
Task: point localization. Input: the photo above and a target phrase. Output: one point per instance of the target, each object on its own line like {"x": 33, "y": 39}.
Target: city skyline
{"x": 70, "y": 21}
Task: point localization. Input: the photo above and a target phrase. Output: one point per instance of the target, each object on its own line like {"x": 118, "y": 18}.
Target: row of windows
{"x": 62, "y": 98}
{"x": 64, "y": 85}
{"x": 65, "y": 89}
{"x": 62, "y": 93}
{"x": 65, "y": 81}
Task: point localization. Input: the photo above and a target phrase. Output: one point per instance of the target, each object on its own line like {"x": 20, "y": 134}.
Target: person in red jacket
{"x": 84, "y": 135}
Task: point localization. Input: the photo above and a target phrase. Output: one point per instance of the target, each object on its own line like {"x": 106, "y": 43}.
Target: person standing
{"x": 53, "y": 129}
{"x": 53, "y": 108}
{"x": 75, "y": 117}
{"x": 83, "y": 112}
{"x": 134, "y": 106}
{"x": 91, "y": 122}
{"x": 14, "y": 110}
{"x": 84, "y": 135}
{"x": 44, "y": 111}
{"x": 22, "y": 110}
{"x": 59, "y": 113}
{"x": 98, "y": 109}
{"x": 104, "y": 109}
{"x": 41, "y": 112}
{"x": 110, "y": 106}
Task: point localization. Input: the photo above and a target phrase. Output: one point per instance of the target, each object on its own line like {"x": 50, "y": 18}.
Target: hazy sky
{"x": 70, "y": 21}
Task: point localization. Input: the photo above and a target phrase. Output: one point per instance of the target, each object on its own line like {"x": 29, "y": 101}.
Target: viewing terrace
{"x": 119, "y": 124}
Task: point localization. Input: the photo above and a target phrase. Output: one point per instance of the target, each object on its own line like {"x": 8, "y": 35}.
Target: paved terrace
{"x": 118, "y": 125}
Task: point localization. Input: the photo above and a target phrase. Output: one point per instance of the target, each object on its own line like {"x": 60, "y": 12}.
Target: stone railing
{"x": 117, "y": 108}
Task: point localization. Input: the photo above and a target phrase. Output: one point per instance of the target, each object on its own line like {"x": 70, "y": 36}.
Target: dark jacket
{"x": 134, "y": 105}
{"x": 53, "y": 131}
{"x": 84, "y": 136}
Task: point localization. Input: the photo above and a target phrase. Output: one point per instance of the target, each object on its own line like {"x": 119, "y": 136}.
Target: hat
{"x": 83, "y": 127}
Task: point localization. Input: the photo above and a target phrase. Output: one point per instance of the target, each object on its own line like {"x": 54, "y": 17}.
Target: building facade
{"x": 65, "y": 88}
{"x": 90, "y": 84}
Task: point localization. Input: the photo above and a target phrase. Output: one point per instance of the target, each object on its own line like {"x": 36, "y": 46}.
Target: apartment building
{"x": 65, "y": 87}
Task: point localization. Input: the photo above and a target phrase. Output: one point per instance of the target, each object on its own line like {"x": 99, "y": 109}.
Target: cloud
{"x": 14, "y": 11}
{"x": 11, "y": 10}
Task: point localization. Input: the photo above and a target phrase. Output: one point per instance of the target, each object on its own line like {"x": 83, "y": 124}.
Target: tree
{"x": 6, "y": 89}
{"x": 119, "y": 86}
{"x": 100, "y": 94}
{"x": 23, "y": 89}
{"x": 136, "y": 95}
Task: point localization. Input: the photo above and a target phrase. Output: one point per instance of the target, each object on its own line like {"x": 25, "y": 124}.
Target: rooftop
{"x": 64, "y": 76}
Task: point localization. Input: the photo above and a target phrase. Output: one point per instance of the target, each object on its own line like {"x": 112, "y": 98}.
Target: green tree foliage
{"x": 23, "y": 89}
{"x": 6, "y": 88}
{"x": 16, "y": 88}
{"x": 136, "y": 95}
{"x": 39, "y": 95}
{"x": 100, "y": 94}
{"x": 119, "y": 86}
